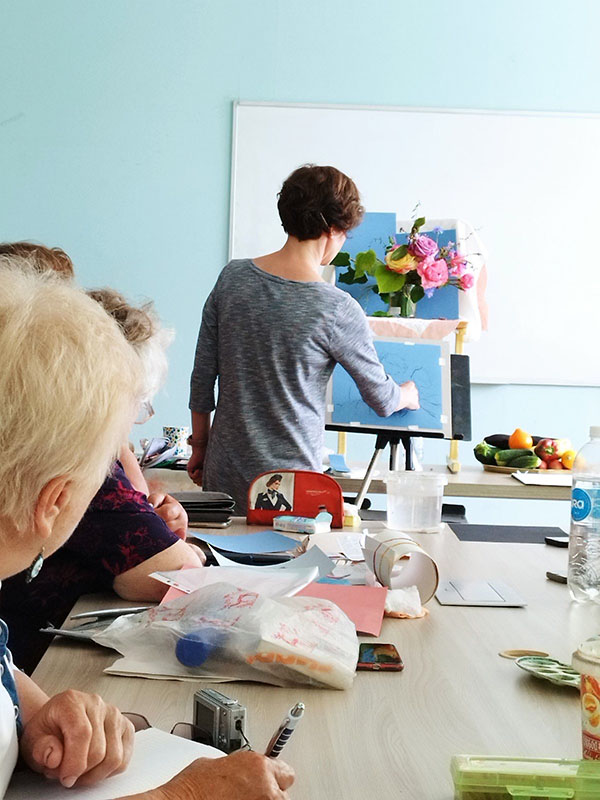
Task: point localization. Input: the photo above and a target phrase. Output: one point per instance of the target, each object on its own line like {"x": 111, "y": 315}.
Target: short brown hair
{"x": 315, "y": 199}
{"x": 38, "y": 256}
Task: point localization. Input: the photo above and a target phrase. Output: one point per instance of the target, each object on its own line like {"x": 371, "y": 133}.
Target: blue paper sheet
{"x": 261, "y": 542}
{"x": 403, "y": 361}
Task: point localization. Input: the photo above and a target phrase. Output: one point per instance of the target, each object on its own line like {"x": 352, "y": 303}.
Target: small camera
{"x": 219, "y": 720}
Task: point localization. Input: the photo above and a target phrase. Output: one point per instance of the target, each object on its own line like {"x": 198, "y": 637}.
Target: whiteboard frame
{"x": 238, "y": 104}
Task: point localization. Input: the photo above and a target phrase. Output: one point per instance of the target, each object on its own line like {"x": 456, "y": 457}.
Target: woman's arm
{"x": 351, "y": 345}
{"x": 199, "y": 439}
{"x": 133, "y": 471}
{"x": 136, "y": 583}
{"x": 31, "y": 697}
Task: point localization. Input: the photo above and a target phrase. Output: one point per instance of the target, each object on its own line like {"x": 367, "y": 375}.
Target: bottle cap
{"x": 595, "y": 432}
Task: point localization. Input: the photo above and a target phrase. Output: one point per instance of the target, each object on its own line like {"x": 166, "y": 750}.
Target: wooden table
{"x": 392, "y": 735}
{"x": 469, "y": 482}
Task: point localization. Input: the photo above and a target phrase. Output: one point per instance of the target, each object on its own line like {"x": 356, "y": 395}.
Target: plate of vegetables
{"x": 521, "y": 451}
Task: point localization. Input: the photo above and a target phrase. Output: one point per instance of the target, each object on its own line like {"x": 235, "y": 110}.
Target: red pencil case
{"x": 300, "y": 493}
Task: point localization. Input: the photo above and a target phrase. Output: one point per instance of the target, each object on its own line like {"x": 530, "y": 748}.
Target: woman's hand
{"x": 77, "y": 738}
{"x": 409, "y": 397}
{"x": 241, "y": 776}
{"x": 170, "y": 511}
{"x": 196, "y": 464}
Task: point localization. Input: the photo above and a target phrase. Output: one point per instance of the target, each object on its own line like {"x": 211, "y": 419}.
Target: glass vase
{"x": 401, "y": 304}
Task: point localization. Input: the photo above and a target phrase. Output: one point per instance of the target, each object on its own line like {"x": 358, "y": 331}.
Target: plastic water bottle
{"x": 584, "y": 539}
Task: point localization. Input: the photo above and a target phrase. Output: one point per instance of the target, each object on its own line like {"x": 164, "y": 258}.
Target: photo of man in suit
{"x": 273, "y": 499}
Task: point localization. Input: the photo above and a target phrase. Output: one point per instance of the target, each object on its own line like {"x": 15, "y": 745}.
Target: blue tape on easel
{"x": 338, "y": 463}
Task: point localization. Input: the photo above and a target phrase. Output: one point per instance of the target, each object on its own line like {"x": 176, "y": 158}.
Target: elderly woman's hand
{"x": 240, "y": 776}
{"x": 77, "y": 738}
{"x": 170, "y": 511}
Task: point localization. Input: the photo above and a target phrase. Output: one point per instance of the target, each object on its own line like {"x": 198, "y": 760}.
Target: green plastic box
{"x": 502, "y": 778}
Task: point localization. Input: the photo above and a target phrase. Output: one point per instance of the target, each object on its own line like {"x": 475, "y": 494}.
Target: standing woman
{"x": 272, "y": 331}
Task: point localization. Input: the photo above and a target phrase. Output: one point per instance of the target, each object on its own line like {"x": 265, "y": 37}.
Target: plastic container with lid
{"x": 586, "y": 660}
{"x": 414, "y": 500}
{"x": 499, "y": 778}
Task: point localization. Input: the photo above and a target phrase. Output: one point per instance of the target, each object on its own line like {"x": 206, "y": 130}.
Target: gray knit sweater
{"x": 272, "y": 343}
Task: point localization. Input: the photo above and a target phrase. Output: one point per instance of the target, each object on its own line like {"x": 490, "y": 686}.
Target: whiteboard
{"x": 528, "y": 182}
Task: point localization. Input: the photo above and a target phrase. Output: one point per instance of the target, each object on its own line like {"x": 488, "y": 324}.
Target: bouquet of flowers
{"x": 410, "y": 271}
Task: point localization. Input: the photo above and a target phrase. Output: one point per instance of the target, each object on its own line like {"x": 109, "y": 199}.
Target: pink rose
{"x": 433, "y": 273}
{"x": 422, "y": 247}
{"x": 458, "y": 264}
{"x": 467, "y": 281}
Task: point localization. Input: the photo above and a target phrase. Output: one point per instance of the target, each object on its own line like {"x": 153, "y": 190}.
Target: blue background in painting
{"x": 403, "y": 362}
{"x": 374, "y": 233}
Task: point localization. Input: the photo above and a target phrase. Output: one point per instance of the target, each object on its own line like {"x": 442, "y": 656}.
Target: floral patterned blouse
{"x": 118, "y": 531}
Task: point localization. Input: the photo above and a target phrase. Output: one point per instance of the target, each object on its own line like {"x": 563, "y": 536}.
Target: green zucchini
{"x": 504, "y": 458}
{"x": 526, "y": 462}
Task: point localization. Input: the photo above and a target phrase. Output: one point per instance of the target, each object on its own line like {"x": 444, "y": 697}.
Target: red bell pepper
{"x": 547, "y": 450}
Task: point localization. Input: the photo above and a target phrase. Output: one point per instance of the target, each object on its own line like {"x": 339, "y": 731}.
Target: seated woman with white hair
{"x": 70, "y": 386}
{"x": 126, "y": 533}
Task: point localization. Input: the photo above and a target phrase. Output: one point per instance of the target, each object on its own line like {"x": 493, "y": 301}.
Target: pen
{"x": 257, "y": 558}
{"x": 284, "y": 731}
{"x": 106, "y": 613}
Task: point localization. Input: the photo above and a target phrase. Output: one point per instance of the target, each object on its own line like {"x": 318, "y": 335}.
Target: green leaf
{"x": 399, "y": 252}
{"x": 341, "y": 260}
{"x": 349, "y": 277}
{"x": 388, "y": 281}
{"x": 365, "y": 262}
{"x": 417, "y": 293}
{"x": 385, "y": 296}
{"x": 380, "y": 314}
{"x": 418, "y": 223}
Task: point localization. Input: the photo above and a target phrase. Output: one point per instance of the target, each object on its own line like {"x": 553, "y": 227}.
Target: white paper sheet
{"x": 344, "y": 545}
{"x": 314, "y": 557}
{"x": 130, "y": 668}
{"x": 551, "y": 477}
{"x": 157, "y": 757}
{"x": 270, "y": 584}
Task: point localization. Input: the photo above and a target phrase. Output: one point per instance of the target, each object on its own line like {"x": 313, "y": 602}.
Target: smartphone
{"x": 379, "y": 656}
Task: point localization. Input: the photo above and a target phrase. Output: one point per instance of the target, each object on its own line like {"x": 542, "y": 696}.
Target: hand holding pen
{"x": 284, "y": 731}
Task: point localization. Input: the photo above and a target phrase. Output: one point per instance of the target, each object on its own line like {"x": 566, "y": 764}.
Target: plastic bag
{"x": 224, "y": 632}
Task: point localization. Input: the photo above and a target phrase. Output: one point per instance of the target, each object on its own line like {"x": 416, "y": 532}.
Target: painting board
{"x": 426, "y": 362}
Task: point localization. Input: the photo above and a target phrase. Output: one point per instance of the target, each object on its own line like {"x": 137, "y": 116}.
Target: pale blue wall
{"x": 115, "y": 119}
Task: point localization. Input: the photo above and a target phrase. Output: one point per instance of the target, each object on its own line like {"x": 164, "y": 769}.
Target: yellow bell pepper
{"x": 567, "y": 459}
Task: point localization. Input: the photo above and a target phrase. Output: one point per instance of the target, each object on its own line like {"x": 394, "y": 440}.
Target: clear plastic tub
{"x": 414, "y": 500}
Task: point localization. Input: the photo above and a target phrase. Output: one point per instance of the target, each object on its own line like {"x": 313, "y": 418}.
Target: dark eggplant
{"x": 499, "y": 440}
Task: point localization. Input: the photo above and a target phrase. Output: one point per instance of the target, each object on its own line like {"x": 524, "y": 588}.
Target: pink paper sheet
{"x": 364, "y": 605}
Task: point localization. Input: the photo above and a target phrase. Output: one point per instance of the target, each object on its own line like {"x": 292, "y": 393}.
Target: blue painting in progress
{"x": 420, "y": 363}
{"x": 373, "y": 234}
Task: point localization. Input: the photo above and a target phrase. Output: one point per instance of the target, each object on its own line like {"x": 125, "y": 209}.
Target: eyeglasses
{"x": 145, "y": 413}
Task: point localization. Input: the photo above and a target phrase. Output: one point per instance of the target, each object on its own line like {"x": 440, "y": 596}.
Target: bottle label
{"x": 590, "y": 717}
{"x": 581, "y": 504}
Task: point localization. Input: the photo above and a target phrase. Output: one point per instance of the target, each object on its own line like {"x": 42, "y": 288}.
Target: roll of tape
{"x": 397, "y": 561}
